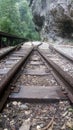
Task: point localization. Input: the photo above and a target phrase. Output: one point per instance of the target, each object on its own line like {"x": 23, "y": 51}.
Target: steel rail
{"x": 67, "y": 79}
{"x": 6, "y": 79}
{"x": 9, "y": 51}
{"x": 4, "y": 88}
{"x": 61, "y": 53}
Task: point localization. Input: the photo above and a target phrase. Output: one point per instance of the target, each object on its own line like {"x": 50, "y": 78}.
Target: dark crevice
{"x": 38, "y": 20}
{"x": 43, "y": 3}
{"x": 31, "y": 1}
{"x": 67, "y": 29}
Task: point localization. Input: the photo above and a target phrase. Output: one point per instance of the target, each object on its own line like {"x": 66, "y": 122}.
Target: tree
{"x": 16, "y": 18}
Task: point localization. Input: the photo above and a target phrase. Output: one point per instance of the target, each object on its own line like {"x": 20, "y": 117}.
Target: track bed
{"x": 37, "y": 99}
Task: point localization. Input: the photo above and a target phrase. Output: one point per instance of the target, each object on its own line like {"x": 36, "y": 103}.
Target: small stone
{"x": 12, "y": 122}
{"x": 27, "y": 112}
{"x": 5, "y": 116}
{"x": 24, "y": 106}
{"x": 46, "y": 118}
{"x": 19, "y": 103}
{"x": 7, "y": 105}
{"x": 14, "y": 103}
{"x": 31, "y": 116}
{"x": 41, "y": 125}
{"x": 38, "y": 127}
{"x": 8, "y": 119}
{"x": 61, "y": 103}
{"x": 65, "y": 69}
{"x": 12, "y": 88}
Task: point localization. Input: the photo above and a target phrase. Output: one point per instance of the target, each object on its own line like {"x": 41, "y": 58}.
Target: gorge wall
{"x": 53, "y": 18}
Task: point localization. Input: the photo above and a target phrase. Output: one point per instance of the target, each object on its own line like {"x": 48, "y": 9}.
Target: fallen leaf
{"x": 70, "y": 110}
{"x": 63, "y": 127}
{"x": 65, "y": 114}
{"x": 69, "y": 124}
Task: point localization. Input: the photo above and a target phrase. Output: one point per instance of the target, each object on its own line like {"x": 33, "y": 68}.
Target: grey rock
{"x": 24, "y": 106}
{"x": 14, "y": 103}
{"x": 25, "y": 125}
{"x": 41, "y": 125}
{"x": 38, "y": 127}
{"x": 53, "y": 18}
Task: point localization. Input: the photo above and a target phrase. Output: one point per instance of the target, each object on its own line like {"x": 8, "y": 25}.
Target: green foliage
{"x": 70, "y": 110}
{"x": 16, "y": 19}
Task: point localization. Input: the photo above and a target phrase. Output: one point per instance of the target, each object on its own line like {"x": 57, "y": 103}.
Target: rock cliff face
{"x": 53, "y": 18}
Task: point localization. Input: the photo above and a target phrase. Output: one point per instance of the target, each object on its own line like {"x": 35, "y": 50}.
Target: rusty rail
{"x": 4, "y": 89}
{"x": 66, "y": 78}
{"x": 7, "y": 52}
{"x": 61, "y": 53}
{"x": 10, "y": 50}
{"x": 6, "y": 79}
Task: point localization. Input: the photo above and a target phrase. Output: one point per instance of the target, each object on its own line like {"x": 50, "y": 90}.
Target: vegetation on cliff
{"x": 16, "y": 19}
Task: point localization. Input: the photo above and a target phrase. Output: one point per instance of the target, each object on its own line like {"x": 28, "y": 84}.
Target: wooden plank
{"x": 39, "y": 72}
{"x": 30, "y": 93}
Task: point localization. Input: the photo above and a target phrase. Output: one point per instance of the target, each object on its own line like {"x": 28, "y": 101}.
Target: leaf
{"x": 65, "y": 114}
{"x": 70, "y": 110}
{"x": 69, "y": 124}
{"x": 63, "y": 127}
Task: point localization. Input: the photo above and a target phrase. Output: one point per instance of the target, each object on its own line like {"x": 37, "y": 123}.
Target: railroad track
{"x": 34, "y": 75}
{"x": 37, "y": 81}
{"x": 5, "y": 51}
{"x": 63, "y": 65}
{"x": 11, "y": 64}
{"x": 8, "y": 68}
{"x": 65, "y": 51}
